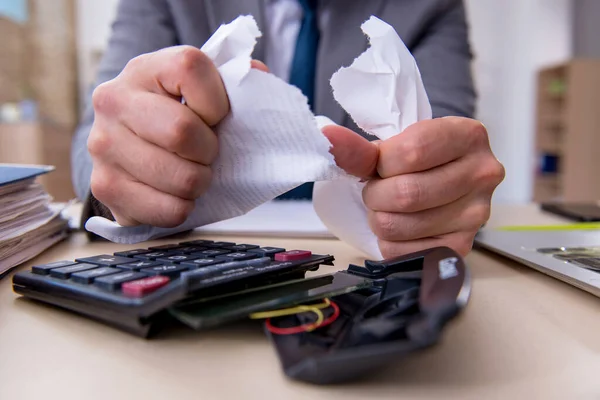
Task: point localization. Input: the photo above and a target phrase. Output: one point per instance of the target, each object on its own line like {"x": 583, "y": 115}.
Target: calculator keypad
{"x": 114, "y": 282}
{"x": 139, "y": 272}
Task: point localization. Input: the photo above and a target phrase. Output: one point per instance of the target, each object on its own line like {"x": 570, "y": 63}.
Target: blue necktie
{"x": 302, "y": 74}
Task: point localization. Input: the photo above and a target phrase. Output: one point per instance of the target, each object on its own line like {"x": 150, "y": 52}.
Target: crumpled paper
{"x": 271, "y": 142}
{"x": 383, "y": 93}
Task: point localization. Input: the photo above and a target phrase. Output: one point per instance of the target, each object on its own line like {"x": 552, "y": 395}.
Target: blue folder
{"x": 12, "y": 173}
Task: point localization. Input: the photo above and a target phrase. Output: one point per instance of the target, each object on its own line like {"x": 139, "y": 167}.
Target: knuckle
{"x": 412, "y": 152}
{"x": 384, "y": 225}
{"x": 104, "y": 99}
{"x": 101, "y": 186}
{"x": 190, "y": 182}
{"x": 136, "y": 62}
{"x": 478, "y": 134}
{"x": 178, "y": 212}
{"x": 409, "y": 193}
{"x": 181, "y": 131}
{"x": 191, "y": 59}
{"x": 98, "y": 143}
{"x": 491, "y": 173}
{"x": 478, "y": 214}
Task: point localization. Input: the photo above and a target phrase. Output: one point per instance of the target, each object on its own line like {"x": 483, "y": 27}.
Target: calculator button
{"x": 196, "y": 242}
{"x": 203, "y": 273}
{"x": 236, "y": 256}
{"x": 113, "y": 282}
{"x": 87, "y": 277}
{"x": 225, "y": 269}
{"x": 293, "y": 255}
{"x": 165, "y": 247}
{"x": 65, "y": 272}
{"x": 191, "y": 249}
{"x": 267, "y": 251}
{"x": 177, "y": 258}
{"x": 139, "y": 264}
{"x": 212, "y": 252}
{"x": 242, "y": 247}
{"x": 144, "y": 286}
{"x": 202, "y": 262}
{"x": 165, "y": 270}
{"x": 105, "y": 260}
{"x": 154, "y": 255}
{"x": 131, "y": 253}
{"x": 219, "y": 244}
{"x": 44, "y": 269}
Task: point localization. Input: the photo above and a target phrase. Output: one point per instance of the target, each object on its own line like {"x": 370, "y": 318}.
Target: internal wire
{"x": 319, "y": 323}
{"x": 290, "y": 311}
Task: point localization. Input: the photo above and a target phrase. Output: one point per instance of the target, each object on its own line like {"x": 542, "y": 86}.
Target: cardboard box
{"x": 13, "y": 71}
{"x": 38, "y": 62}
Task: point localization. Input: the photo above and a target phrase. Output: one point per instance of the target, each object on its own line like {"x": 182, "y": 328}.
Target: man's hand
{"x": 151, "y": 154}
{"x": 429, "y": 186}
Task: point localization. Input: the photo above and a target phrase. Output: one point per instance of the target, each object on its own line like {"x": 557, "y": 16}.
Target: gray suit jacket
{"x": 435, "y": 31}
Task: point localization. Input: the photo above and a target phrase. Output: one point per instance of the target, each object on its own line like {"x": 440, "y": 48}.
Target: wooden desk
{"x": 523, "y": 335}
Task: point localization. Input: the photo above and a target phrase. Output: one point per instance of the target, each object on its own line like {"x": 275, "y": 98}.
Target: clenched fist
{"x": 151, "y": 153}
{"x": 430, "y": 186}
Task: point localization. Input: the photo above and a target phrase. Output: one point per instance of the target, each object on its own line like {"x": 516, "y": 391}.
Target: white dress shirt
{"x": 283, "y": 20}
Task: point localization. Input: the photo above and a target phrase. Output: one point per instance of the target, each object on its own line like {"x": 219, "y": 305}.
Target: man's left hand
{"x": 429, "y": 186}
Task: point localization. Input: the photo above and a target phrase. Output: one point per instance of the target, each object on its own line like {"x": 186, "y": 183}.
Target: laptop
{"x": 572, "y": 256}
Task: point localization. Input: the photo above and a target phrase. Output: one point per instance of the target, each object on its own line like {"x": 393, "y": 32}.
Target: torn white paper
{"x": 383, "y": 93}
{"x": 271, "y": 142}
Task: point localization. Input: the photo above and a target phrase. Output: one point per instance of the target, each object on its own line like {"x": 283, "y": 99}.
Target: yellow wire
{"x": 290, "y": 311}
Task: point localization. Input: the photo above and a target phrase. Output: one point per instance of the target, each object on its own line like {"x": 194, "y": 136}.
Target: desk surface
{"x": 523, "y": 335}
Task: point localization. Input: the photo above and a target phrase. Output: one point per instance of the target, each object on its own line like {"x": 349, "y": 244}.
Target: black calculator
{"x": 131, "y": 289}
{"x": 367, "y": 315}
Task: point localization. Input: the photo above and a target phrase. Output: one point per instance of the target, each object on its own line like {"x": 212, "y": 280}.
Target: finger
{"x": 183, "y": 71}
{"x": 461, "y": 242}
{"x": 256, "y": 64}
{"x": 148, "y": 163}
{"x": 428, "y": 144}
{"x": 134, "y": 203}
{"x": 170, "y": 125}
{"x": 352, "y": 153}
{"x": 420, "y": 191}
{"x": 466, "y": 214}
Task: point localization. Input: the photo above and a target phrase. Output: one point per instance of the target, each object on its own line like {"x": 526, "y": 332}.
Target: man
{"x": 141, "y": 157}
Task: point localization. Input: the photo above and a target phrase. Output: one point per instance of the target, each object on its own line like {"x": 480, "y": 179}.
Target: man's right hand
{"x": 151, "y": 153}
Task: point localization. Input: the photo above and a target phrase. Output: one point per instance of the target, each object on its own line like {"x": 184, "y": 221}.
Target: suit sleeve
{"x": 444, "y": 56}
{"x": 140, "y": 26}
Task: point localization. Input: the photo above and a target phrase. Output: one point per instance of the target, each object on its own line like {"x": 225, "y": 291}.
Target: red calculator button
{"x": 144, "y": 286}
{"x": 293, "y": 255}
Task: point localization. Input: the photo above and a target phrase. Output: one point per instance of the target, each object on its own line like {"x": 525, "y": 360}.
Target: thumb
{"x": 352, "y": 152}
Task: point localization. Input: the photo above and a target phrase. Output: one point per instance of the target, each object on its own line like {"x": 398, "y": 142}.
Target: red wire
{"x": 303, "y": 328}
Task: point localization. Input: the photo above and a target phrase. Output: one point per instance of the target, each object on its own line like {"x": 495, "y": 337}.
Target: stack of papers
{"x": 29, "y": 223}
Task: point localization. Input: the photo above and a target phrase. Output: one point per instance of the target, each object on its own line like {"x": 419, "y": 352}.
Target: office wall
{"x": 511, "y": 40}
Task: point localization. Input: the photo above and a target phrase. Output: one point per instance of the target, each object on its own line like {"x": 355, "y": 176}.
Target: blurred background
{"x": 537, "y": 69}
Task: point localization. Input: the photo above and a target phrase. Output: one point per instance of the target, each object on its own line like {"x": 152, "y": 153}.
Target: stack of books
{"x": 29, "y": 222}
